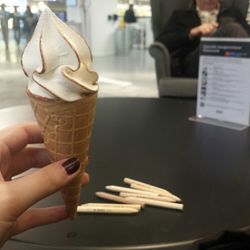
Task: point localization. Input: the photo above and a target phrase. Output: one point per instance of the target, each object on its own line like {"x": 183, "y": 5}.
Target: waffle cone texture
{"x": 66, "y": 129}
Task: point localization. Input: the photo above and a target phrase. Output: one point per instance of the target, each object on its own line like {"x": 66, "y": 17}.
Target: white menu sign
{"x": 224, "y": 80}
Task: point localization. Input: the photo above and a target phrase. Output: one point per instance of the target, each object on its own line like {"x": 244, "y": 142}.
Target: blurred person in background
{"x": 185, "y": 28}
{"x": 4, "y": 18}
{"x": 16, "y": 16}
{"x": 132, "y": 27}
{"x": 29, "y": 23}
{"x": 129, "y": 16}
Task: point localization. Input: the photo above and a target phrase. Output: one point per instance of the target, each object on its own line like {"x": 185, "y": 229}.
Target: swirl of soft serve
{"x": 57, "y": 61}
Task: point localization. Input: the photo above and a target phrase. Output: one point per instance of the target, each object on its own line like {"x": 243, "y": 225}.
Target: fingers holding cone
{"x": 46, "y": 181}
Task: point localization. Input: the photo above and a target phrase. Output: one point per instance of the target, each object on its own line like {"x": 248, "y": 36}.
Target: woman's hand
{"x": 206, "y": 29}
{"x": 17, "y": 196}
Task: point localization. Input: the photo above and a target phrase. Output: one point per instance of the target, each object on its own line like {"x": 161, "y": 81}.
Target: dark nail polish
{"x": 71, "y": 165}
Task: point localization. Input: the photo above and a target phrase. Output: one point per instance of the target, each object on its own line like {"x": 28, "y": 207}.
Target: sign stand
{"x": 223, "y": 97}
{"x": 218, "y": 123}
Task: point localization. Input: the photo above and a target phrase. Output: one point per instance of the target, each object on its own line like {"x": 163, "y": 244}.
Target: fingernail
{"x": 71, "y": 165}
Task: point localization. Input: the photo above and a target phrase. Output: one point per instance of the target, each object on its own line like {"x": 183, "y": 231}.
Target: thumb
{"x": 29, "y": 189}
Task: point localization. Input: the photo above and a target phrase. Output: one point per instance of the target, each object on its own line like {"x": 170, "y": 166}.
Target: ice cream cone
{"x": 66, "y": 128}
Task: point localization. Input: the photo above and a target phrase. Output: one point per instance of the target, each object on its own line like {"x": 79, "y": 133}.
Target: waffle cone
{"x": 66, "y": 128}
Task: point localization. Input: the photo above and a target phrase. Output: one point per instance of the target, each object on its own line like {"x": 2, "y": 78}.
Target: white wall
{"x": 74, "y": 16}
{"x": 102, "y": 30}
{"x": 91, "y": 20}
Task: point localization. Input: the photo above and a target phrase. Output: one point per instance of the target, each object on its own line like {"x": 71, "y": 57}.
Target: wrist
{"x": 191, "y": 35}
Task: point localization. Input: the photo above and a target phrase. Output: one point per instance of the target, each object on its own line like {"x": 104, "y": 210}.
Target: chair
{"x": 161, "y": 12}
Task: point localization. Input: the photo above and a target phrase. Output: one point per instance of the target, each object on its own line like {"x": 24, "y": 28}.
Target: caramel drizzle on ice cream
{"x": 57, "y": 61}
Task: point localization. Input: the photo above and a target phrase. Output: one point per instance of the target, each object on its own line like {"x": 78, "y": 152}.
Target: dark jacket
{"x": 129, "y": 16}
{"x": 175, "y": 36}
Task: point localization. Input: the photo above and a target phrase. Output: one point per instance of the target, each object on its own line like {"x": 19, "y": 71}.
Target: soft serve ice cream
{"x": 57, "y": 61}
{"x": 62, "y": 91}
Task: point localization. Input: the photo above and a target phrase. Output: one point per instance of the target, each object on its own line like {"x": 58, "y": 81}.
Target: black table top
{"x": 152, "y": 140}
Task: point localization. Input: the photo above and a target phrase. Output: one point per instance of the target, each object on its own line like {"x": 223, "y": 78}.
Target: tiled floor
{"x": 129, "y": 75}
